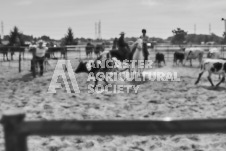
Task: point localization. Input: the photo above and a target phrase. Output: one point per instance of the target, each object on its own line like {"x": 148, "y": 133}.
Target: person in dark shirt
{"x": 123, "y": 46}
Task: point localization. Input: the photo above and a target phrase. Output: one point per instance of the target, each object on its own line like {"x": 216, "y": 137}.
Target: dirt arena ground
{"x": 154, "y": 100}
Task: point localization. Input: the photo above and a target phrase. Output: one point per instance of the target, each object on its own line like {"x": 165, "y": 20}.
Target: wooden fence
{"x": 16, "y": 130}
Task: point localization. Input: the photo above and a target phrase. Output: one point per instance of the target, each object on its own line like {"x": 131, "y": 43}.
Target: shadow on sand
{"x": 213, "y": 88}
{"x": 25, "y": 78}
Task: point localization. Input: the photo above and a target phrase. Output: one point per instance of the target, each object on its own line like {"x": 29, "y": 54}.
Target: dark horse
{"x": 52, "y": 50}
{"x": 17, "y": 49}
{"x": 136, "y": 53}
{"x": 89, "y": 50}
{"x": 98, "y": 49}
{"x": 4, "y": 50}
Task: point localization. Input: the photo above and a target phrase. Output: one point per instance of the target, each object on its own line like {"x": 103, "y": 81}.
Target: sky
{"x": 158, "y": 17}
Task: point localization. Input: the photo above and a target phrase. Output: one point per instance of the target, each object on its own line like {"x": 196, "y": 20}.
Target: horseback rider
{"x": 123, "y": 46}
{"x": 145, "y": 39}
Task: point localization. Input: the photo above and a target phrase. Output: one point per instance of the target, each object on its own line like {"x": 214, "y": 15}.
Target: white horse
{"x": 138, "y": 55}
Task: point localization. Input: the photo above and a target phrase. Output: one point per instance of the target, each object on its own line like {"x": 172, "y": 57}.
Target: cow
{"x": 213, "y": 66}
{"x": 214, "y": 53}
{"x": 193, "y": 53}
{"x": 178, "y": 55}
{"x": 159, "y": 57}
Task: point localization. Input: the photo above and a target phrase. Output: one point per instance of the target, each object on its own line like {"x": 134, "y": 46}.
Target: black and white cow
{"x": 213, "y": 66}
{"x": 159, "y": 57}
{"x": 178, "y": 55}
{"x": 193, "y": 53}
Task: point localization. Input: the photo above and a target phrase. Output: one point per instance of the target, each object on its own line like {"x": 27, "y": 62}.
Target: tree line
{"x": 180, "y": 36}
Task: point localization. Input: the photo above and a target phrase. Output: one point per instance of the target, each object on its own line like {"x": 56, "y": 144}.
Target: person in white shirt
{"x": 145, "y": 39}
{"x": 39, "y": 55}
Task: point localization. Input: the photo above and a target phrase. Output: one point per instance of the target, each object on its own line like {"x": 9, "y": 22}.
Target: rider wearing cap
{"x": 123, "y": 46}
{"x": 145, "y": 41}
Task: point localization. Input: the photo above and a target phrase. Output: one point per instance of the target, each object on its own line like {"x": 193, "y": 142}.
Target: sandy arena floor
{"x": 154, "y": 100}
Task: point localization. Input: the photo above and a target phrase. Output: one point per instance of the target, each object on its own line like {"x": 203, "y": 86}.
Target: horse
{"x": 138, "y": 55}
{"x": 63, "y": 53}
{"x": 17, "y": 49}
{"x": 89, "y": 50}
{"x": 98, "y": 49}
{"x": 4, "y": 51}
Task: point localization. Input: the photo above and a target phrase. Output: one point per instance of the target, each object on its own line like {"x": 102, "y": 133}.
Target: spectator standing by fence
{"x": 39, "y": 56}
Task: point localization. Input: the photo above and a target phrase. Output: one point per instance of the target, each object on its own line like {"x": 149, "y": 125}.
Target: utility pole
{"x": 2, "y": 27}
{"x": 224, "y": 24}
{"x": 99, "y": 30}
{"x": 95, "y": 30}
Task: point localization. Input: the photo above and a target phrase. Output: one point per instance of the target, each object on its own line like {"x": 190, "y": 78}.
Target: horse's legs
{"x": 95, "y": 83}
{"x": 186, "y": 59}
{"x": 105, "y": 81}
{"x": 3, "y": 56}
{"x": 11, "y": 56}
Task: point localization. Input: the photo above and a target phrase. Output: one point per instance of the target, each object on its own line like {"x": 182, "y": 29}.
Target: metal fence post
{"x": 66, "y": 57}
{"x": 80, "y": 57}
{"x": 223, "y": 51}
{"x": 168, "y": 53}
{"x": 14, "y": 141}
{"x": 19, "y": 61}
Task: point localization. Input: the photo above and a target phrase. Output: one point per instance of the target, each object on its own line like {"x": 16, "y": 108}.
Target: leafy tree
{"x": 45, "y": 38}
{"x": 15, "y": 37}
{"x": 179, "y": 36}
{"x": 27, "y": 37}
{"x": 69, "y": 38}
